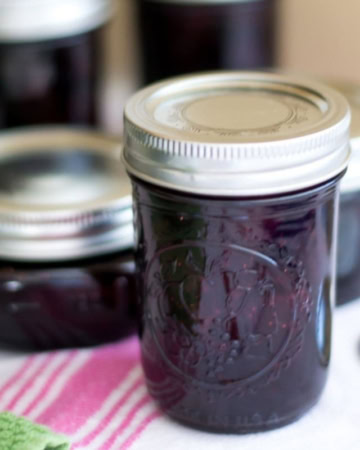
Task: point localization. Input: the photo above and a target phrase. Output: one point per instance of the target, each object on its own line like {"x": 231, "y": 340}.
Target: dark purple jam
{"x": 235, "y": 299}
{"x": 348, "y": 262}
{"x": 179, "y": 37}
{"x": 80, "y": 303}
{"x": 52, "y": 81}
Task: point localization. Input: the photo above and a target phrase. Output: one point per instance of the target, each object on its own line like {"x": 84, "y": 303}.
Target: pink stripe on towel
{"x": 30, "y": 382}
{"x": 48, "y": 384}
{"x": 90, "y": 386}
{"x": 140, "y": 429}
{"x": 126, "y": 421}
{"x": 105, "y": 422}
{"x": 18, "y": 375}
{"x": 95, "y": 396}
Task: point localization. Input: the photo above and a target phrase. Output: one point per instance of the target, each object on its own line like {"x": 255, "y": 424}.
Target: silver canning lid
{"x": 236, "y": 133}
{"x": 351, "y": 180}
{"x": 64, "y": 194}
{"x": 31, "y": 20}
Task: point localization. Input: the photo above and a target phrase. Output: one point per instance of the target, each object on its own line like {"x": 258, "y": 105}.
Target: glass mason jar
{"x": 66, "y": 238}
{"x": 182, "y": 36}
{"x": 235, "y": 185}
{"x": 348, "y": 271}
{"x": 50, "y": 61}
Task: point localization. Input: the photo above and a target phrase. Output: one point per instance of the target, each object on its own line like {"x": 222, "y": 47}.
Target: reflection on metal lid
{"x": 63, "y": 194}
{"x": 236, "y": 133}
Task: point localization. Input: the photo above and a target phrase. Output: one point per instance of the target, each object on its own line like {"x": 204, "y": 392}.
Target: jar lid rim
{"x": 72, "y": 201}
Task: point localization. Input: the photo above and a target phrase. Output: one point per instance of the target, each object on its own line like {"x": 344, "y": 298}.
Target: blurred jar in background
{"x": 348, "y": 271}
{"x": 50, "y": 60}
{"x": 67, "y": 272}
{"x": 183, "y": 36}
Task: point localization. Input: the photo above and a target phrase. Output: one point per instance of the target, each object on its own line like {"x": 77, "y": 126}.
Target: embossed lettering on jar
{"x": 235, "y": 180}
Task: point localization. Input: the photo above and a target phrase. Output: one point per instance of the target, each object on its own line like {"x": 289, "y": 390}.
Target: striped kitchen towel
{"x": 97, "y": 397}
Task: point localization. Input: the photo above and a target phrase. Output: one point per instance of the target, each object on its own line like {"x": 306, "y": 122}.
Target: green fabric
{"x": 17, "y": 433}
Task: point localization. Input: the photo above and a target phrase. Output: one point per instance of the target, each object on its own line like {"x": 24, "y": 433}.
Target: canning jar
{"x": 182, "y": 36}
{"x": 348, "y": 271}
{"x": 50, "y": 61}
{"x": 66, "y": 238}
{"x": 235, "y": 186}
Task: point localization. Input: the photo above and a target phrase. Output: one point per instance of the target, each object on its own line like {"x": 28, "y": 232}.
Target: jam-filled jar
{"x": 182, "y": 36}
{"x": 67, "y": 272}
{"x": 348, "y": 261}
{"x": 51, "y": 61}
{"x": 235, "y": 188}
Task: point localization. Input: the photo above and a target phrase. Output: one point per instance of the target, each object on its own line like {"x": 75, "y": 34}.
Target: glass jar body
{"x": 67, "y": 304}
{"x": 348, "y": 263}
{"x": 235, "y": 304}
{"x": 184, "y": 38}
{"x": 60, "y": 83}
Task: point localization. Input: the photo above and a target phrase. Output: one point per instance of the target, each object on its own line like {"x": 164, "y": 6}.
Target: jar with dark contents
{"x": 235, "y": 186}
{"x": 181, "y": 36}
{"x": 51, "y": 61}
{"x": 67, "y": 272}
{"x": 348, "y": 261}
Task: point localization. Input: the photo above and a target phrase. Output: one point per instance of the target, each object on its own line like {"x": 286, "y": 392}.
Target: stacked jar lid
{"x": 63, "y": 195}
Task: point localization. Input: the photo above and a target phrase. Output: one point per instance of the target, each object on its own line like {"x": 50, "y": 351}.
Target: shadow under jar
{"x": 235, "y": 188}
{"x": 179, "y": 36}
{"x": 67, "y": 272}
{"x": 50, "y": 61}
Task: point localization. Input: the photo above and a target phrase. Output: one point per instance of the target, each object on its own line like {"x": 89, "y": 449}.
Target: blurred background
{"x": 316, "y": 37}
{"x": 74, "y": 63}
{"x": 94, "y": 56}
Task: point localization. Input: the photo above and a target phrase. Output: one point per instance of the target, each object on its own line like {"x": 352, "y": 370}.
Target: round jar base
{"x": 255, "y": 428}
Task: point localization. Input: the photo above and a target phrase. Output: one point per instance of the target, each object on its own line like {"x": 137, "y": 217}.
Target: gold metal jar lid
{"x": 236, "y": 134}
{"x": 33, "y": 20}
{"x": 64, "y": 194}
